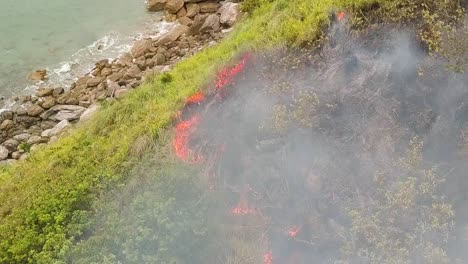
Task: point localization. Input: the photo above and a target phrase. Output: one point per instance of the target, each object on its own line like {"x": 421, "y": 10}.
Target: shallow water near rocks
{"x": 65, "y": 37}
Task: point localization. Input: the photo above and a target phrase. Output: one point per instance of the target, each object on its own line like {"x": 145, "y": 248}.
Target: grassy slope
{"x": 45, "y": 202}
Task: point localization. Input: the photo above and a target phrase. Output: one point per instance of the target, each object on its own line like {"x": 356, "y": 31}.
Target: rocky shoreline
{"x": 37, "y": 119}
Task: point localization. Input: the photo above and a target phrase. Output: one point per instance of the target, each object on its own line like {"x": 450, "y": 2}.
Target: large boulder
{"x": 63, "y": 112}
{"x": 228, "y": 13}
{"x": 211, "y": 24}
{"x": 172, "y": 6}
{"x": 172, "y": 35}
{"x": 155, "y": 5}
{"x": 141, "y": 47}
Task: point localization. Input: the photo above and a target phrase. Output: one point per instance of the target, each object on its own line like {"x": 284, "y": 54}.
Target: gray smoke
{"x": 341, "y": 144}
{"x": 353, "y": 153}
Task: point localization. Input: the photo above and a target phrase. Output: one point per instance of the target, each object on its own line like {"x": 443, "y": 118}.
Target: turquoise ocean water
{"x": 65, "y": 37}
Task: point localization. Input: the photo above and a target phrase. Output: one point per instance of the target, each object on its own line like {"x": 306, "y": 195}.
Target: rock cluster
{"x": 190, "y": 12}
{"x": 40, "y": 118}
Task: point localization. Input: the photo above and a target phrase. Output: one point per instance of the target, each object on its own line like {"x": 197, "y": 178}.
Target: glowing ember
{"x": 341, "y": 15}
{"x": 182, "y": 138}
{"x": 268, "y": 258}
{"x": 195, "y": 99}
{"x": 226, "y": 76}
{"x": 293, "y": 232}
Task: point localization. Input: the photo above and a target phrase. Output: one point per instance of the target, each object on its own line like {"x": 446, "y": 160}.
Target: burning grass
{"x": 364, "y": 196}
{"x": 46, "y": 203}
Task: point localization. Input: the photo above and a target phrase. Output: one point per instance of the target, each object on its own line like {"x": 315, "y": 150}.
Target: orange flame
{"x": 195, "y": 99}
{"x": 341, "y": 15}
{"x": 226, "y": 76}
{"x": 268, "y": 258}
{"x": 293, "y": 232}
{"x": 182, "y": 138}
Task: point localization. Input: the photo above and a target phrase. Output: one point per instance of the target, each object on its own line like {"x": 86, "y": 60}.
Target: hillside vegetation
{"x": 52, "y": 203}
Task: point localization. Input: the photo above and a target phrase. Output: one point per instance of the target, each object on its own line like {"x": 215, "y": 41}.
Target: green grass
{"x": 46, "y": 201}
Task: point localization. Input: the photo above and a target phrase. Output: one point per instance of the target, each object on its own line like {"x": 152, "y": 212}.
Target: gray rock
{"x": 27, "y": 121}
{"x": 101, "y": 64}
{"x": 141, "y": 47}
{"x": 11, "y": 145}
{"x": 22, "y": 137}
{"x": 172, "y": 35}
{"x": 16, "y": 155}
{"x": 41, "y": 92}
{"x": 211, "y": 24}
{"x": 85, "y": 104}
{"x": 34, "y": 130}
{"x": 82, "y": 81}
{"x": 159, "y": 59}
{"x": 133, "y": 72}
{"x": 3, "y": 153}
{"x": 47, "y": 124}
{"x": 182, "y": 12}
{"x": 7, "y": 124}
{"x": 46, "y": 133}
{"x": 72, "y": 101}
{"x": 228, "y": 13}
{"x": 35, "y": 110}
{"x": 23, "y": 156}
{"x": 106, "y": 72}
{"x": 196, "y": 25}
{"x": 48, "y": 102}
{"x": 117, "y": 76}
{"x": 141, "y": 63}
{"x": 192, "y": 10}
{"x": 60, "y": 127}
{"x": 63, "y": 112}
{"x": 172, "y": 6}
{"x": 24, "y": 98}
{"x": 5, "y": 115}
{"x": 57, "y": 92}
{"x": 94, "y": 81}
{"x": 185, "y": 21}
{"x": 88, "y": 113}
{"x": 155, "y": 5}
{"x": 37, "y": 140}
{"x": 209, "y": 7}
{"x": 120, "y": 93}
